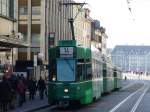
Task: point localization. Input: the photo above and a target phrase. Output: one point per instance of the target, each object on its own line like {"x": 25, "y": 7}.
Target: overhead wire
{"x": 130, "y": 8}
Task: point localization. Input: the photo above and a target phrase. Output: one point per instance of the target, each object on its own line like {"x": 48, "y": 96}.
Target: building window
{"x": 36, "y": 10}
{"x": 23, "y": 10}
{"x": 4, "y": 7}
{"x": 35, "y": 40}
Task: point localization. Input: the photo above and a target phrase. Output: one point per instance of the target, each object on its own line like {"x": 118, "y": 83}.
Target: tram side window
{"x": 105, "y": 72}
{"x": 115, "y": 73}
{"x": 109, "y": 73}
{"x": 94, "y": 70}
{"x": 97, "y": 69}
{"x": 101, "y": 70}
{"x": 88, "y": 72}
{"x": 84, "y": 70}
{"x": 79, "y": 72}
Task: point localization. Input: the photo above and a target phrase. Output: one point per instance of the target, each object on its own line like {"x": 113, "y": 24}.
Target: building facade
{"x": 31, "y": 23}
{"x": 58, "y": 17}
{"x": 99, "y": 37}
{"x": 132, "y": 58}
{"x": 10, "y": 39}
{"x": 39, "y": 19}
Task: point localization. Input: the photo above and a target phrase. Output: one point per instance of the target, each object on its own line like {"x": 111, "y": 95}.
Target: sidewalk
{"x": 32, "y": 105}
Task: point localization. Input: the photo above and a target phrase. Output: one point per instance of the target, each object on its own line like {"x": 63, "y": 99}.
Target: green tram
{"x": 77, "y": 74}
{"x": 117, "y": 78}
{"x": 108, "y": 79}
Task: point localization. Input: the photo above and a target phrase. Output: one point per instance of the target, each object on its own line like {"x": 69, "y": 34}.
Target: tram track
{"x": 139, "y": 100}
{"x": 129, "y": 85}
{"x": 133, "y": 99}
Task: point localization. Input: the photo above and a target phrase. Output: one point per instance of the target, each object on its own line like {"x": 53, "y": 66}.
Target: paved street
{"x": 31, "y": 105}
{"x": 134, "y": 97}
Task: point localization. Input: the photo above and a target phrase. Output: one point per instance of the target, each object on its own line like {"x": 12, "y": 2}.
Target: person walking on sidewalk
{"x": 41, "y": 87}
{"x": 5, "y": 93}
{"x": 32, "y": 88}
{"x": 25, "y": 83}
{"x": 13, "y": 80}
{"x": 21, "y": 88}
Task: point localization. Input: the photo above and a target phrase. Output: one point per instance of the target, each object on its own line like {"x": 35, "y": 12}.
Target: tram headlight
{"x": 66, "y": 90}
{"x": 53, "y": 78}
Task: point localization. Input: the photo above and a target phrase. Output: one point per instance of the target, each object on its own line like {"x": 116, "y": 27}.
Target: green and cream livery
{"x": 76, "y": 74}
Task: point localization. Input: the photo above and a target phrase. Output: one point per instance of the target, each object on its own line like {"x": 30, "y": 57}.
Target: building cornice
{"x": 8, "y": 18}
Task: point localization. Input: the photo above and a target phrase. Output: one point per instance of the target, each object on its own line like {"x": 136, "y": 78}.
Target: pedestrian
{"x": 21, "y": 88}
{"x": 32, "y": 88}
{"x": 125, "y": 77}
{"x": 13, "y": 81}
{"x": 46, "y": 89}
{"x": 41, "y": 87}
{"x": 5, "y": 93}
{"x": 25, "y": 84}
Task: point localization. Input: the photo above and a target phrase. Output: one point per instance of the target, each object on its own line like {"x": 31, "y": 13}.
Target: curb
{"x": 38, "y": 108}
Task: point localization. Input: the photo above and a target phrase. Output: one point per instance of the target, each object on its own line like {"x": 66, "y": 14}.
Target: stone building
{"x": 10, "y": 39}
{"x": 132, "y": 58}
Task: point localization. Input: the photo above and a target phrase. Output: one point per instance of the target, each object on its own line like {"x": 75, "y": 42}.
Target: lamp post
{"x": 40, "y": 60}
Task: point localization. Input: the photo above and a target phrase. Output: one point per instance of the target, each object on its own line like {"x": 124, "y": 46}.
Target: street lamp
{"x": 40, "y": 58}
{"x": 40, "y": 61}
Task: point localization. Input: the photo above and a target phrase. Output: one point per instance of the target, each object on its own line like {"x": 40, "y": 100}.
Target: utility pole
{"x": 71, "y": 20}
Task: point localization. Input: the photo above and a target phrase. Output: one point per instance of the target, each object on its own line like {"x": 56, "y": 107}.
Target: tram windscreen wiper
{"x": 69, "y": 65}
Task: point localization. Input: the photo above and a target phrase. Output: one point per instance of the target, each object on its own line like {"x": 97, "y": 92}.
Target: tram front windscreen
{"x": 65, "y": 70}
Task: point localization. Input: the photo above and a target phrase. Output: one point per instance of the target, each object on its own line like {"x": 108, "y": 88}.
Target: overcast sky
{"x": 122, "y": 26}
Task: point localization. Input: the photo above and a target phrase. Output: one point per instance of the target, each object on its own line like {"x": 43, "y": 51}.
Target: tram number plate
{"x": 66, "y": 51}
{"x": 66, "y": 97}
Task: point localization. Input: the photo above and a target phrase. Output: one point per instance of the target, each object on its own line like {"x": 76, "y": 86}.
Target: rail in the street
{"x": 127, "y": 99}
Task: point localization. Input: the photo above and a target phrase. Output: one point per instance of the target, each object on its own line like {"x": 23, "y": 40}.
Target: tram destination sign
{"x": 66, "y": 52}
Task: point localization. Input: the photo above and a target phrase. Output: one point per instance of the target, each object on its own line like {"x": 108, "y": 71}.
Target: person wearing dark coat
{"x": 13, "y": 80}
{"x": 41, "y": 87}
{"x": 21, "y": 88}
{"x": 5, "y": 94}
{"x": 32, "y": 88}
{"x": 25, "y": 83}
